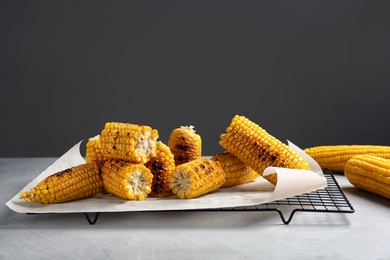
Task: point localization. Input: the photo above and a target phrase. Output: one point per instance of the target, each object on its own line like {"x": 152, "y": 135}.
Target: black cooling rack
{"x": 329, "y": 200}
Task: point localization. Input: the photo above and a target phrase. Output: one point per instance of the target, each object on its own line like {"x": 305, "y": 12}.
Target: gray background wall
{"x": 313, "y": 72}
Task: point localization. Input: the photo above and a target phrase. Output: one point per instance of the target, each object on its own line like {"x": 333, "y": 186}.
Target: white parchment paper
{"x": 291, "y": 182}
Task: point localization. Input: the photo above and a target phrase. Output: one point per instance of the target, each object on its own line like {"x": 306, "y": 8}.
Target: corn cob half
{"x": 197, "y": 177}
{"x": 185, "y": 144}
{"x": 161, "y": 166}
{"x": 93, "y": 152}
{"x": 334, "y": 157}
{"x": 129, "y": 142}
{"x": 236, "y": 171}
{"x": 370, "y": 173}
{"x": 75, "y": 183}
{"x": 126, "y": 180}
{"x": 255, "y": 147}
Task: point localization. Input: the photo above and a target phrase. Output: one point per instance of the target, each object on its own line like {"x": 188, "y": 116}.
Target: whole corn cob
{"x": 252, "y": 145}
{"x": 236, "y": 171}
{"x": 370, "y": 173}
{"x": 197, "y": 177}
{"x": 129, "y": 142}
{"x": 126, "y": 180}
{"x": 334, "y": 157}
{"x": 75, "y": 183}
{"x": 161, "y": 166}
{"x": 185, "y": 144}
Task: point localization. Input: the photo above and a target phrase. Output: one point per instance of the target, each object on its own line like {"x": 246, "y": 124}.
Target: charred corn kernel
{"x": 334, "y": 157}
{"x": 129, "y": 142}
{"x": 236, "y": 171}
{"x": 185, "y": 144}
{"x": 370, "y": 173}
{"x": 252, "y": 145}
{"x": 61, "y": 186}
{"x": 126, "y": 180}
{"x": 161, "y": 166}
{"x": 197, "y": 177}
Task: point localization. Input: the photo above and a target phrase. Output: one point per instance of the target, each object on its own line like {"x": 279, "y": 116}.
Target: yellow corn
{"x": 197, "y": 177}
{"x": 93, "y": 152}
{"x": 185, "y": 144}
{"x": 75, "y": 183}
{"x": 126, "y": 180}
{"x": 161, "y": 166}
{"x": 236, "y": 171}
{"x": 334, "y": 157}
{"x": 252, "y": 145}
{"x": 129, "y": 142}
{"x": 370, "y": 173}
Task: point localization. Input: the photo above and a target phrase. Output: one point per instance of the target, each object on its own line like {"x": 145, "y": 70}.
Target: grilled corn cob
{"x": 197, "y": 177}
{"x": 161, "y": 166}
{"x": 236, "y": 171}
{"x": 370, "y": 173}
{"x": 93, "y": 152}
{"x": 334, "y": 157}
{"x": 126, "y": 180}
{"x": 185, "y": 144}
{"x": 252, "y": 145}
{"x": 129, "y": 142}
{"x": 75, "y": 183}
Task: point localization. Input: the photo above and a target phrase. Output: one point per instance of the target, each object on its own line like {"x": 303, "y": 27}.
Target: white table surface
{"x": 364, "y": 234}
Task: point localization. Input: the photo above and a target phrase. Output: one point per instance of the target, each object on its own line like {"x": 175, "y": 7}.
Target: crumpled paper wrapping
{"x": 291, "y": 182}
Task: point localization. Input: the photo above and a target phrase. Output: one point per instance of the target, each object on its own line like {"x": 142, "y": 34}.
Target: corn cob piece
{"x": 334, "y": 157}
{"x": 252, "y": 145}
{"x": 93, "y": 152}
{"x": 370, "y": 173}
{"x": 75, "y": 183}
{"x": 185, "y": 144}
{"x": 161, "y": 166}
{"x": 126, "y": 180}
{"x": 129, "y": 142}
{"x": 236, "y": 171}
{"x": 197, "y": 177}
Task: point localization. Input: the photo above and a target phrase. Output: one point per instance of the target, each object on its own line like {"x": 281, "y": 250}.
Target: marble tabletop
{"x": 363, "y": 234}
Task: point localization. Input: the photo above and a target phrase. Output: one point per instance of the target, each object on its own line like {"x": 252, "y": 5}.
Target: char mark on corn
{"x": 128, "y": 142}
{"x": 161, "y": 166}
{"x": 258, "y": 149}
{"x": 197, "y": 177}
{"x": 79, "y": 182}
{"x": 185, "y": 144}
{"x": 126, "y": 180}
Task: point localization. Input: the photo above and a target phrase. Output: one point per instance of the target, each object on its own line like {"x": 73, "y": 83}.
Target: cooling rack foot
{"x": 93, "y": 220}
{"x": 284, "y": 220}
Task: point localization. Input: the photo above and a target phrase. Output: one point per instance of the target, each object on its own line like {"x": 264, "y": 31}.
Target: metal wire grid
{"x": 330, "y": 200}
